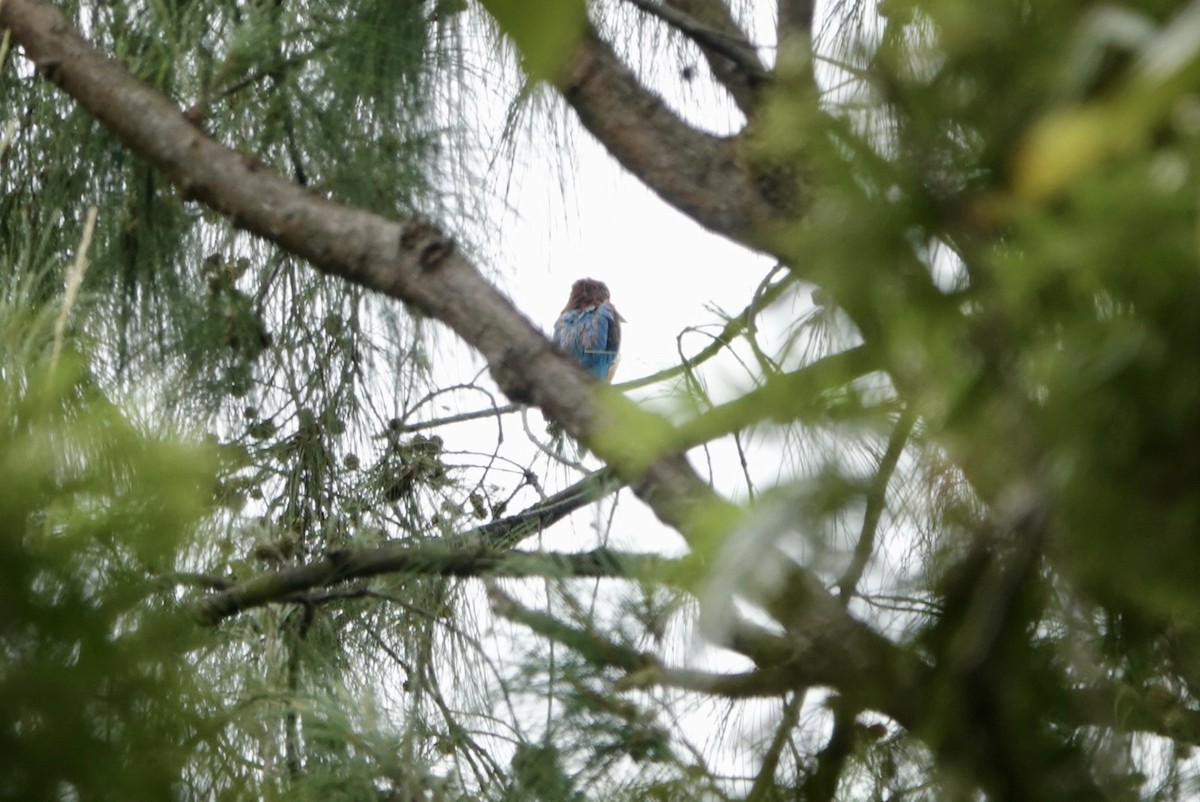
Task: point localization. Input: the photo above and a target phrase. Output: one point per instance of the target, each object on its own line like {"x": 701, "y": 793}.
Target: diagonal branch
{"x": 766, "y": 295}
{"x": 706, "y": 177}
{"x": 785, "y": 398}
{"x": 426, "y": 560}
{"x": 477, "y": 552}
{"x": 876, "y": 502}
{"x": 642, "y": 669}
{"x": 839, "y": 651}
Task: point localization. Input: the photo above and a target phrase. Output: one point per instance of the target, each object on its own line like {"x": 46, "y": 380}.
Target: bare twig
{"x": 876, "y": 501}
{"x": 433, "y": 423}
{"x": 767, "y": 294}
{"x": 764, "y": 787}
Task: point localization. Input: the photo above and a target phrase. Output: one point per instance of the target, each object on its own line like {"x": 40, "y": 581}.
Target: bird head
{"x": 587, "y": 292}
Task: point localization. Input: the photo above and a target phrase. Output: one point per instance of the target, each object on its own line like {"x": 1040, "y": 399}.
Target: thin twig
{"x": 876, "y": 501}
{"x": 642, "y": 669}
{"x": 764, "y": 787}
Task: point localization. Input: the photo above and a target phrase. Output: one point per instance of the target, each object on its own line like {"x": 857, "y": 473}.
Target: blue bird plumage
{"x": 589, "y": 328}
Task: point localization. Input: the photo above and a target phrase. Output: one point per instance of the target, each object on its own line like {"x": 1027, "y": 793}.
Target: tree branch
{"x": 800, "y": 393}
{"x": 794, "y": 25}
{"x": 821, "y": 784}
{"x": 433, "y": 423}
{"x": 704, "y": 176}
{"x": 477, "y": 552}
{"x": 876, "y": 501}
{"x": 641, "y": 668}
{"x": 428, "y": 560}
{"x": 764, "y": 787}
{"x": 733, "y": 60}
{"x": 834, "y": 649}
{"x": 766, "y": 295}
{"x": 1125, "y": 709}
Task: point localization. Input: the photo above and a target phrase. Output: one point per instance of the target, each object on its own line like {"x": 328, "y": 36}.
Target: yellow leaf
{"x": 1064, "y": 146}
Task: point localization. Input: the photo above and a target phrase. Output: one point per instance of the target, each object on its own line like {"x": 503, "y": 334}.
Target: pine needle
{"x": 74, "y": 280}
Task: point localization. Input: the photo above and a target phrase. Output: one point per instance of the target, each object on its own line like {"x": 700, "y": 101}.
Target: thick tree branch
{"x": 838, "y": 651}
{"x": 413, "y": 262}
{"x": 704, "y": 176}
{"x": 821, "y": 784}
{"x": 794, "y": 24}
{"x": 981, "y": 649}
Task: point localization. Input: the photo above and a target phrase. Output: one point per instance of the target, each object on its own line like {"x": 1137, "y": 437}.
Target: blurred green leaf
{"x": 97, "y": 697}
{"x": 545, "y": 31}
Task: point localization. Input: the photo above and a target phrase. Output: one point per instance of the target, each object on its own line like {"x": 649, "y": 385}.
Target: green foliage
{"x": 1011, "y": 228}
{"x": 97, "y": 695}
{"x": 338, "y": 100}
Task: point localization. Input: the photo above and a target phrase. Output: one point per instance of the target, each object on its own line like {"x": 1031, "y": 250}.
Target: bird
{"x": 589, "y": 328}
